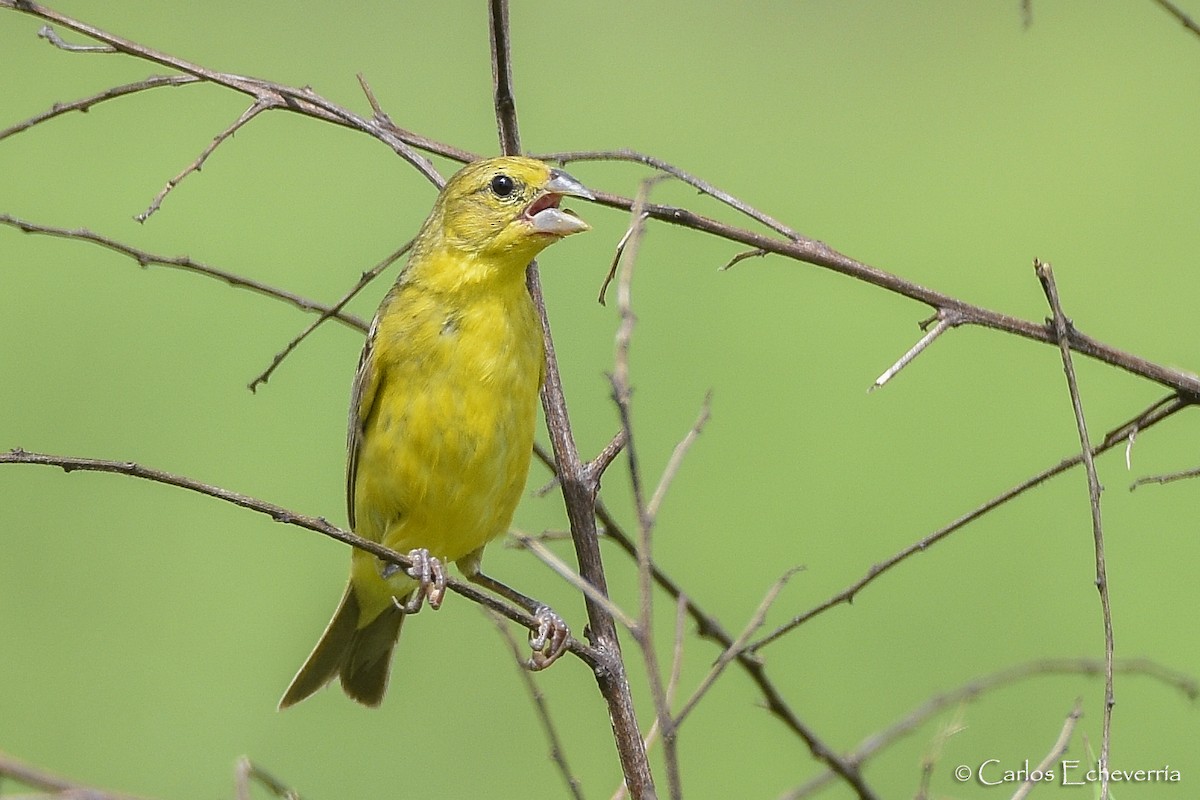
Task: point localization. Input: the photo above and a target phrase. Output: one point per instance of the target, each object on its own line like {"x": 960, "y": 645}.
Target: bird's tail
{"x": 361, "y": 657}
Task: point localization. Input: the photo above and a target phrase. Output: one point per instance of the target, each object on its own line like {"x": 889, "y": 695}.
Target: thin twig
{"x": 51, "y": 36}
{"x": 652, "y": 735}
{"x": 331, "y": 312}
{"x": 557, "y": 753}
{"x": 597, "y": 466}
{"x": 43, "y": 781}
{"x": 681, "y": 616}
{"x": 250, "y": 113}
{"x": 246, "y": 772}
{"x": 1151, "y": 416}
{"x": 502, "y": 81}
{"x": 1169, "y": 477}
{"x": 84, "y": 104}
{"x": 735, "y": 647}
{"x": 622, "y": 392}
{"x": 676, "y": 460}
{"x": 742, "y": 256}
{"x": 703, "y": 186}
{"x": 145, "y": 259}
{"x": 564, "y": 571}
{"x": 1062, "y": 331}
{"x": 944, "y": 324}
{"x": 602, "y": 297}
{"x": 972, "y": 690}
{"x": 282, "y": 515}
{"x": 934, "y": 754}
{"x": 409, "y": 137}
{"x": 1179, "y": 15}
{"x": 1056, "y": 752}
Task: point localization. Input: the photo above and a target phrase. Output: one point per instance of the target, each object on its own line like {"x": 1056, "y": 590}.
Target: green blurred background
{"x": 148, "y": 632}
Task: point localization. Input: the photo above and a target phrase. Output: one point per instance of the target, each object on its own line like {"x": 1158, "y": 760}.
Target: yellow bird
{"x": 443, "y": 408}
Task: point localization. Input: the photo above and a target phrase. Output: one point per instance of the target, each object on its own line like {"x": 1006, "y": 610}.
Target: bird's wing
{"x": 362, "y": 398}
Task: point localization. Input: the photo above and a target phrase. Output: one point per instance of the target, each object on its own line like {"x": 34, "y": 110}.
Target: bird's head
{"x": 505, "y": 210}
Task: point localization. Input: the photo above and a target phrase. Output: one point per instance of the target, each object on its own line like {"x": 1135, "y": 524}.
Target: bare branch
{"x": 607, "y": 455}
{"x": 944, "y": 324}
{"x": 186, "y": 264}
{"x": 299, "y": 100}
{"x": 1156, "y": 413}
{"x": 735, "y": 647}
{"x": 246, "y": 772}
{"x": 676, "y": 460}
{"x": 602, "y": 297}
{"x": 409, "y": 137}
{"x": 1062, "y": 326}
{"x": 547, "y": 557}
{"x": 877, "y": 742}
{"x": 1169, "y": 477}
{"x": 85, "y": 104}
{"x": 1178, "y": 14}
{"x": 1056, "y": 752}
{"x": 681, "y": 615}
{"x": 331, "y": 312}
{"x": 819, "y": 254}
{"x": 280, "y": 514}
{"x": 557, "y": 753}
{"x": 704, "y": 187}
{"x": 622, "y": 392}
{"x": 502, "y": 82}
{"x": 250, "y": 113}
{"x": 934, "y": 754}
{"x": 43, "y": 781}
{"x": 742, "y": 256}
{"x": 51, "y": 36}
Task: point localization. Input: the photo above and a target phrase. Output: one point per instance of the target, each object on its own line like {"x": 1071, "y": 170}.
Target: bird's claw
{"x": 550, "y": 640}
{"x": 430, "y": 575}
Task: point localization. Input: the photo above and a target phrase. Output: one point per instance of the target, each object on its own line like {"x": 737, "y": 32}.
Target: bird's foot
{"x": 550, "y": 641}
{"x": 430, "y": 575}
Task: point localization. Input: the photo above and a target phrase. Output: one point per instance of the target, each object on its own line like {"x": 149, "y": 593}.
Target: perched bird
{"x": 443, "y": 408}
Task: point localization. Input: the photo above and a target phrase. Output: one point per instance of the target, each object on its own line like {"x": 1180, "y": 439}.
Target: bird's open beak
{"x": 547, "y": 217}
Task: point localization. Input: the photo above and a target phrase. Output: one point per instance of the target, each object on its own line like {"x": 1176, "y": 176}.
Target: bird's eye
{"x": 502, "y": 185}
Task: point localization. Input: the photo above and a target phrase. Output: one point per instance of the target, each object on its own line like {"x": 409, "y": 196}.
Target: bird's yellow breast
{"x": 445, "y": 448}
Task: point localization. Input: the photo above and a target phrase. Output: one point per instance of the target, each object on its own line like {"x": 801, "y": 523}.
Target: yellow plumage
{"x": 444, "y": 404}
